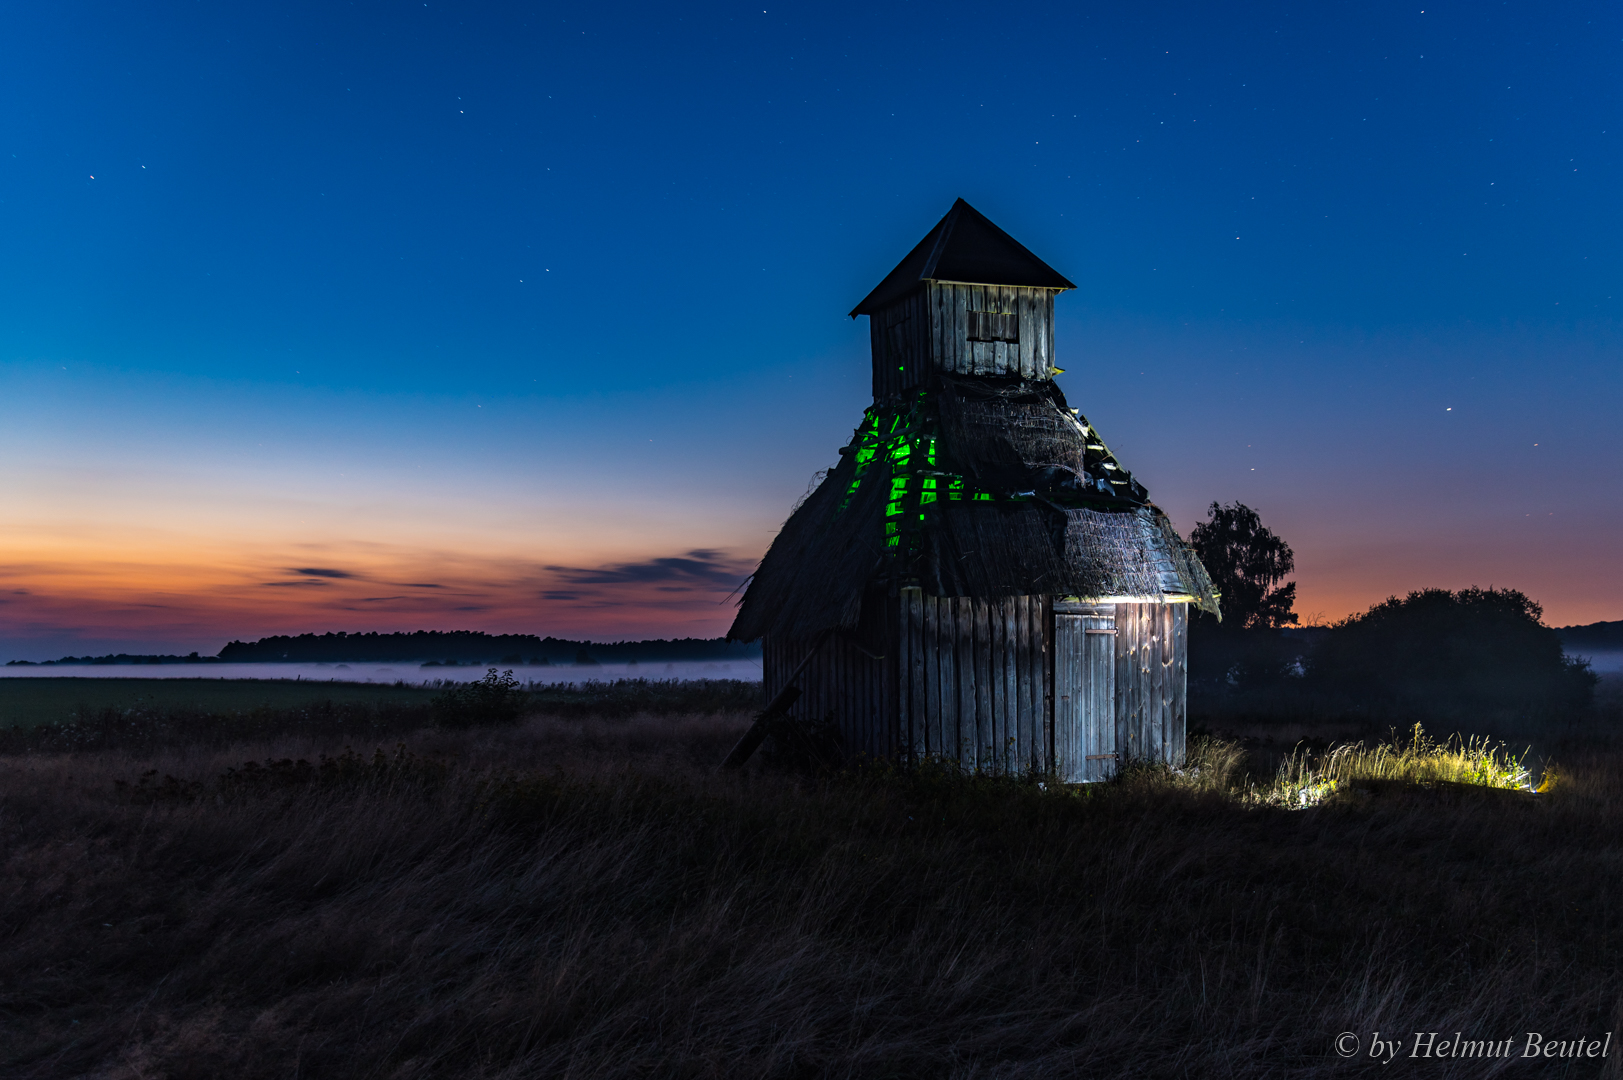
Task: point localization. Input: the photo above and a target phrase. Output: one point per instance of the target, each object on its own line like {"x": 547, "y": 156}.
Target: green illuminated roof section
{"x": 1061, "y": 514}
{"x": 899, "y": 440}
{"x": 896, "y": 445}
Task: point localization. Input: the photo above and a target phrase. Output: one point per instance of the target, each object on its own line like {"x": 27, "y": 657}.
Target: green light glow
{"x": 896, "y": 446}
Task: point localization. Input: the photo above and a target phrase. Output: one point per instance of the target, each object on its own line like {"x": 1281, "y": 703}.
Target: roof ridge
{"x": 945, "y": 226}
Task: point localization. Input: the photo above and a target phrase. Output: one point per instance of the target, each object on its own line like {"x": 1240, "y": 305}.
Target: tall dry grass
{"x": 1308, "y": 775}
{"x": 588, "y": 899}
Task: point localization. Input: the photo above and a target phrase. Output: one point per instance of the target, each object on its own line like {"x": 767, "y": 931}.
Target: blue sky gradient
{"x": 509, "y": 299}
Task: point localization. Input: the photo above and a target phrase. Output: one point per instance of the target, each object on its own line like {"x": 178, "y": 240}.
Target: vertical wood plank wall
{"x": 900, "y": 337}
{"x": 1152, "y": 680}
{"x": 1031, "y": 357}
{"x": 928, "y": 331}
{"x": 974, "y": 680}
{"x": 842, "y": 685}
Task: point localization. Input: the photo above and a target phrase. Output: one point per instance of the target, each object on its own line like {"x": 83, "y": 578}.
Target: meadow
{"x": 56, "y": 714}
{"x": 580, "y": 893}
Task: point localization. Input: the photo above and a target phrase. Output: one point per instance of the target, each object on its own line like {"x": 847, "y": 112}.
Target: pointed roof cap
{"x": 965, "y": 247}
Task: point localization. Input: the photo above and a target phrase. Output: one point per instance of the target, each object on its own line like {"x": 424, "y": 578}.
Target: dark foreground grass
{"x": 586, "y": 899}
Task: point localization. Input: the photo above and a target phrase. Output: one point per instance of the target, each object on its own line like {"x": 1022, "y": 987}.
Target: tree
{"x": 1246, "y": 562}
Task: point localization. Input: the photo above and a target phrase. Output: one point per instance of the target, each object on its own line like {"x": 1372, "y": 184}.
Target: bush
{"x": 494, "y": 699}
{"x": 1476, "y": 653}
{"x": 628, "y": 697}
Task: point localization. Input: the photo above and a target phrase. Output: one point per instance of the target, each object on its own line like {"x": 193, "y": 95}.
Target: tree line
{"x": 474, "y": 647}
{"x": 438, "y": 647}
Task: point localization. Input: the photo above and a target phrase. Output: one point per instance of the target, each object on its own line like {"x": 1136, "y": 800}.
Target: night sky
{"x": 532, "y": 318}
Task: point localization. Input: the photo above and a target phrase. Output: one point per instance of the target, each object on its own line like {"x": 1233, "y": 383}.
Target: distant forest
{"x": 436, "y": 646}
{"x": 469, "y": 647}
{"x": 1606, "y": 636}
{"x": 119, "y": 658}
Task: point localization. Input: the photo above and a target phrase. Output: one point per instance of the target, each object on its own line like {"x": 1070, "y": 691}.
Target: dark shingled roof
{"x": 964, "y": 247}
{"x": 1023, "y": 499}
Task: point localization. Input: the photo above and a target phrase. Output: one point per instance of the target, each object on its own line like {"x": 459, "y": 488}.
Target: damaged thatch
{"x": 969, "y": 487}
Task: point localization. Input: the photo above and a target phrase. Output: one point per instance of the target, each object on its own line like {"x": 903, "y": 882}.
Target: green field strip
{"x": 30, "y": 701}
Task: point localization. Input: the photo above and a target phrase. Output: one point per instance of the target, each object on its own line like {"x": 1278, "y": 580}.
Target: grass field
{"x": 180, "y": 709}
{"x": 29, "y": 701}
{"x": 586, "y": 897}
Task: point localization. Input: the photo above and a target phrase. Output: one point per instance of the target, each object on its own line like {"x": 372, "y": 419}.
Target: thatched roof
{"x": 969, "y": 487}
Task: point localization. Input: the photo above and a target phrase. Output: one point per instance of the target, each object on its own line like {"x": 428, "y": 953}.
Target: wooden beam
{"x": 758, "y": 731}
{"x": 756, "y": 735}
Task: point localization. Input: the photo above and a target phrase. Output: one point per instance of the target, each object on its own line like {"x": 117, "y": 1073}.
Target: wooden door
{"x": 1084, "y": 694}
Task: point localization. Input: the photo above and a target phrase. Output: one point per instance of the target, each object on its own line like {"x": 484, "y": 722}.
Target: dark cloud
{"x": 562, "y": 595}
{"x": 417, "y": 585}
{"x": 375, "y": 599}
{"x": 701, "y": 567}
{"x": 319, "y": 571}
{"x": 284, "y": 584}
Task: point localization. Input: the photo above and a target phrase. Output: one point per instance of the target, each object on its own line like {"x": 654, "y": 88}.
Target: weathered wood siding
{"x": 935, "y": 328}
{"x": 1152, "y": 680}
{"x": 1084, "y": 692}
{"x": 842, "y": 685}
{"x": 974, "y": 683}
{"x": 1005, "y": 685}
{"x": 953, "y": 311}
{"x": 900, "y": 336}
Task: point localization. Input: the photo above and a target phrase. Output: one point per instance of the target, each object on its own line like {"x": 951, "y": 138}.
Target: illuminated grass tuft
{"x": 1306, "y": 777}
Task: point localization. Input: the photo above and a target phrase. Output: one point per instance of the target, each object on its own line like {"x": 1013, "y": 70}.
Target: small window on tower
{"x": 993, "y": 326}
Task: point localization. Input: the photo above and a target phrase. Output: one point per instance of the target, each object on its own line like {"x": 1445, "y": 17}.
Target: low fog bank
{"x": 1602, "y": 663}
{"x": 407, "y": 672}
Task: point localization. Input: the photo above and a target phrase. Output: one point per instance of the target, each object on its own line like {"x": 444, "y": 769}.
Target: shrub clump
{"x": 499, "y": 698}
{"x": 629, "y": 697}
{"x": 1473, "y": 654}
{"x": 494, "y": 699}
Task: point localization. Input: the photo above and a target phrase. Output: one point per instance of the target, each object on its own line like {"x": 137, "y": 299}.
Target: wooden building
{"x": 979, "y": 578}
